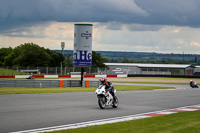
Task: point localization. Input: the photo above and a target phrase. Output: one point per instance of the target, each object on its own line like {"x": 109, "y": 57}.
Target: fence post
{"x": 65, "y": 71}
{"x": 37, "y": 71}
{"x": 7, "y": 70}
{"x": 47, "y": 71}
{"x": 61, "y": 69}
{"x": 17, "y": 70}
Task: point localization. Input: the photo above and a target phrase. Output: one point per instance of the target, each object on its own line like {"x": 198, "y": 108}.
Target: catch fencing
{"x": 50, "y": 70}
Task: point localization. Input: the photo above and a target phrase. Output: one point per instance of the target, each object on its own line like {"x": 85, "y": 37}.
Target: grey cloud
{"x": 14, "y": 13}
{"x": 171, "y": 12}
{"x": 19, "y": 12}
{"x": 142, "y": 27}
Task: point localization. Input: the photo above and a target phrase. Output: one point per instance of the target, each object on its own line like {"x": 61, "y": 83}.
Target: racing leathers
{"x": 110, "y": 88}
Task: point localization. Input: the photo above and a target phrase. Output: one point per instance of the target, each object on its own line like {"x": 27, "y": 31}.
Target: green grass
{"x": 4, "y": 91}
{"x": 184, "y": 122}
{"x": 4, "y": 71}
{"x": 43, "y": 90}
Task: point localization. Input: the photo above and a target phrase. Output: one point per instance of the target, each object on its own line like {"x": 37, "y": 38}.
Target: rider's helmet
{"x": 190, "y": 80}
{"x": 103, "y": 81}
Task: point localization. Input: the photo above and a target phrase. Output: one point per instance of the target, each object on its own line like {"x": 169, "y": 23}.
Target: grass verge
{"x": 4, "y": 71}
{"x": 4, "y": 91}
{"x": 184, "y": 122}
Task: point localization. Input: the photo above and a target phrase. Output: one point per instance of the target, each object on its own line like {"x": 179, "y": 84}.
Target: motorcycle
{"x": 105, "y": 98}
{"x": 30, "y": 77}
{"x": 194, "y": 85}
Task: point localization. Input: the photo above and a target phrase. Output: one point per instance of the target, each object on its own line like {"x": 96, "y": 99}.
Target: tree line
{"x": 30, "y": 54}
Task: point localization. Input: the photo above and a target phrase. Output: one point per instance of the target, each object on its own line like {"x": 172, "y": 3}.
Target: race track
{"x": 32, "y": 111}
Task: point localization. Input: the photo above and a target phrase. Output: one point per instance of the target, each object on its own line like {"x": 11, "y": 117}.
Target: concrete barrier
{"x": 60, "y": 76}
{"x": 21, "y": 76}
{"x": 50, "y": 76}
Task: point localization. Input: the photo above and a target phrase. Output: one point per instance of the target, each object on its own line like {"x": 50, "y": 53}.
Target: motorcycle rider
{"x": 193, "y": 84}
{"x": 109, "y": 86}
{"x": 30, "y": 76}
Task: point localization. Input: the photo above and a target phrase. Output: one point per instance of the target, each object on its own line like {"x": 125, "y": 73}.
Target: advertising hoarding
{"x": 82, "y": 55}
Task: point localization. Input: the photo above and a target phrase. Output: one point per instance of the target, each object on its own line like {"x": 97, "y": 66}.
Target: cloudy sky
{"x": 162, "y": 26}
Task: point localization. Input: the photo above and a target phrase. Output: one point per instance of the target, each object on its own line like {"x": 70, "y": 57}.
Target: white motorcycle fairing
{"x": 105, "y": 98}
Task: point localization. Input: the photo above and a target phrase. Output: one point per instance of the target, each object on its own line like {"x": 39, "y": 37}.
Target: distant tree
{"x": 9, "y": 59}
{"x": 4, "y": 52}
{"x": 56, "y": 58}
{"x": 69, "y": 61}
{"x": 125, "y": 60}
{"x": 30, "y": 54}
{"x": 98, "y": 60}
{"x": 114, "y": 61}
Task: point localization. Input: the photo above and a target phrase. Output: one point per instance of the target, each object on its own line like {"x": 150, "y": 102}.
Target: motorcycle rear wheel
{"x": 102, "y": 102}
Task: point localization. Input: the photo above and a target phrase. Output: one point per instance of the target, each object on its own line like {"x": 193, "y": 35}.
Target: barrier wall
{"x": 28, "y": 83}
{"x": 34, "y": 83}
{"x": 62, "y": 76}
{"x": 94, "y": 84}
{"x": 96, "y": 76}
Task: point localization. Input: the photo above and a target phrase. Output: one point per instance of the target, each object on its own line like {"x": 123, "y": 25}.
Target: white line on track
{"x": 109, "y": 120}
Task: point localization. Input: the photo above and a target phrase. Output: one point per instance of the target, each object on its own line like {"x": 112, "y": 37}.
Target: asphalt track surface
{"x": 32, "y": 111}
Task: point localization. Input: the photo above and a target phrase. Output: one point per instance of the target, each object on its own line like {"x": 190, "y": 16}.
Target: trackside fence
{"x": 50, "y": 70}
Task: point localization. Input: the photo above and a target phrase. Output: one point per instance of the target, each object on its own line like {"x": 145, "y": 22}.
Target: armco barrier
{"x": 35, "y": 83}
{"x": 29, "y": 83}
{"x": 92, "y": 83}
{"x": 72, "y": 83}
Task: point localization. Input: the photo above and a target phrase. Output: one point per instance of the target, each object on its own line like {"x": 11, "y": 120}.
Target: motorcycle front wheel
{"x": 102, "y": 102}
{"x": 115, "y": 102}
